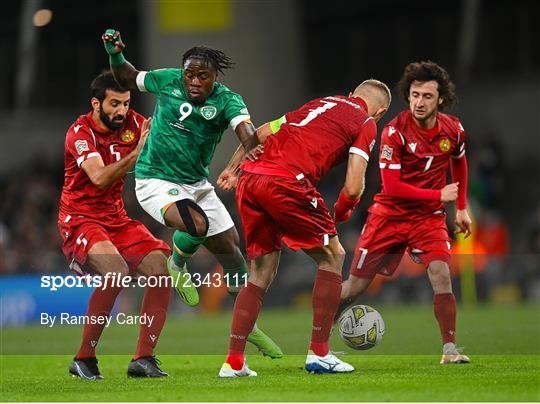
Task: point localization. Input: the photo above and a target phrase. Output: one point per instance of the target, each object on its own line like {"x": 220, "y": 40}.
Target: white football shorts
{"x": 155, "y": 194}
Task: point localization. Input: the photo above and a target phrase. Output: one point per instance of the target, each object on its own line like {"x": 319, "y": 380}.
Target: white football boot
{"x": 227, "y": 371}
{"x": 326, "y": 364}
{"x": 452, "y": 354}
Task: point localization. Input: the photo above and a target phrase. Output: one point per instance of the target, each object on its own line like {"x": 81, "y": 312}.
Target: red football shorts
{"x": 383, "y": 242}
{"x": 275, "y": 209}
{"x": 131, "y": 238}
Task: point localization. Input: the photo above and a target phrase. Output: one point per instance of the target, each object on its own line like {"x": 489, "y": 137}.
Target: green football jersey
{"x": 184, "y": 136}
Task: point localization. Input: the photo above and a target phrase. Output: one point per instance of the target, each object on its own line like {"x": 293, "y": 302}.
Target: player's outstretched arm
{"x": 352, "y": 189}
{"x": 123, "y": 71}
{"x": 103, "y": 176}
{"x": 249, "y": 148}
{"x": 246, "y": 133}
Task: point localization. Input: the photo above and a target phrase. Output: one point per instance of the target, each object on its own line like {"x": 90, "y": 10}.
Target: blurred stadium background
{"x": 286, "y": 53}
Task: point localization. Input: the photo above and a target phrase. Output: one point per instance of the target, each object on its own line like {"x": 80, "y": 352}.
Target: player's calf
{"x": 182, "y": 283}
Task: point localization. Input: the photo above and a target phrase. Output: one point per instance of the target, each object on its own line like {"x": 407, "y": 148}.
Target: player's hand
{"x": 253, "y": 154}
{"x": 463, "y": 222}
{"x": 227, "y": 180}
{"x": 145, "y": 131}
{"x": 449, "y": 192}
{"x": 113, "y": 42}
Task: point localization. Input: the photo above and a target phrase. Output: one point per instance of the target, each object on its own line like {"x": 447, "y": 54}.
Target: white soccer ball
{"x": 361, "y": 327}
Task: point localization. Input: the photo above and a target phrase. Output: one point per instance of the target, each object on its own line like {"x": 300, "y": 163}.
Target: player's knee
{"x": 336, "y": 255}
{"x": 194, "y": 218}
{"x": 340, "y": 254}
{"x": 439, "y": 269}
{"x": 262, "y": 277}
{"x": 201, "y": 225}
{"x": 439, "y": 275}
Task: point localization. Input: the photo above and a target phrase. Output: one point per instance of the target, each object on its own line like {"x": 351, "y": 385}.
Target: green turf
{"x": 194, "y": 378}
{"x": 503, "y": 342}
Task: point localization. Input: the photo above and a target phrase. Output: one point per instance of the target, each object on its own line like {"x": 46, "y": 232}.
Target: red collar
{"x": 429, "y": 133}
{"x": 94, "y": 126}
{"x": 361, "y": 102}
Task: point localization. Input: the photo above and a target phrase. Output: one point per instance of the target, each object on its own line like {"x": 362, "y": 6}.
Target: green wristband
{"x": 117, "y": 59}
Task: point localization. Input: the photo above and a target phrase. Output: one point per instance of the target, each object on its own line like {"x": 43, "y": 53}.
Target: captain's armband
{"x": 276, "y": 124}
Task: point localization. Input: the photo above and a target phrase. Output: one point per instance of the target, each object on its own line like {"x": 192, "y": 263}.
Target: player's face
{"x": 199, "y": 80}
{"x": 113, "y": 109}
{"x": 424, "y": 99}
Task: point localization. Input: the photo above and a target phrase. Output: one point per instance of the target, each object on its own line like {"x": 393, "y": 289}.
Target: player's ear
{"x": 440, "y": 100}
{"x": 379, "y": 114}
{"x": 95, "y": 103}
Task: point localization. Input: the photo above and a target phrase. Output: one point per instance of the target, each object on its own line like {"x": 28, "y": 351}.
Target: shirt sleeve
{"x": 458, "y": 169}
{"x": 365, "y": 140}
{"x": 236, "y": 111}
{"x": 392, "y": 144}
{"x": 459, "y": 150}
{"x": 81, "y": 143}
{"x": 154, "y": 80}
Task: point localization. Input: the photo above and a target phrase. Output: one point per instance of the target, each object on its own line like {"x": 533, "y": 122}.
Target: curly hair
{"x": 213, "y": 58}
{"x": 427, "y": 71}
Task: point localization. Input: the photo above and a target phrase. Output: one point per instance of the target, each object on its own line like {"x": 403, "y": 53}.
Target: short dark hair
{"x": 105, "y": 81}
{"x": 427, "y": 71}
{"x": 213, "y": 58}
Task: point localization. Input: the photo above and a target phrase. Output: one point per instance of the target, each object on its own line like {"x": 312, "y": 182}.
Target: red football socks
{"x": 235, "y": 359}
{"x": 444, "y": 306}
{"x": 154, "y": 306}
{"x": 325, "y": 302}
{"x": 246, "y": 310}
{"x": 99, "y": 307}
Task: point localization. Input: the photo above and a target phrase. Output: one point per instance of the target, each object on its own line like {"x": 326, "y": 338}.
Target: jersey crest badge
{"x": 173, "y": 192}
{"x": 387, "y": 152}
{"x": 127, "y": 136}
{"x": 444, "y": 145}
{"x": 81, "y": 146}
{"x": 208, "y": 112}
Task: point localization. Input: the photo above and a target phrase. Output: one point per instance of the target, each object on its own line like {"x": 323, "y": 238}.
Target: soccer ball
{"x": 361, "y": 327}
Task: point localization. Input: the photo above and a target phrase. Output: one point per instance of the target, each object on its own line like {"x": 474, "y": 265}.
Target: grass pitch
{"x": 503, "y": 342}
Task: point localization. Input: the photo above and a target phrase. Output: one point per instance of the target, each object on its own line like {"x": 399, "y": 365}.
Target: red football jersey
{"x": 84, "y": 140}
{"x": 422, "y": 156}
{"x": 318, "y": 136}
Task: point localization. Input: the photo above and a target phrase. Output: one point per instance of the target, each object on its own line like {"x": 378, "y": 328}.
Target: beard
{"x": 113, "y": 124}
